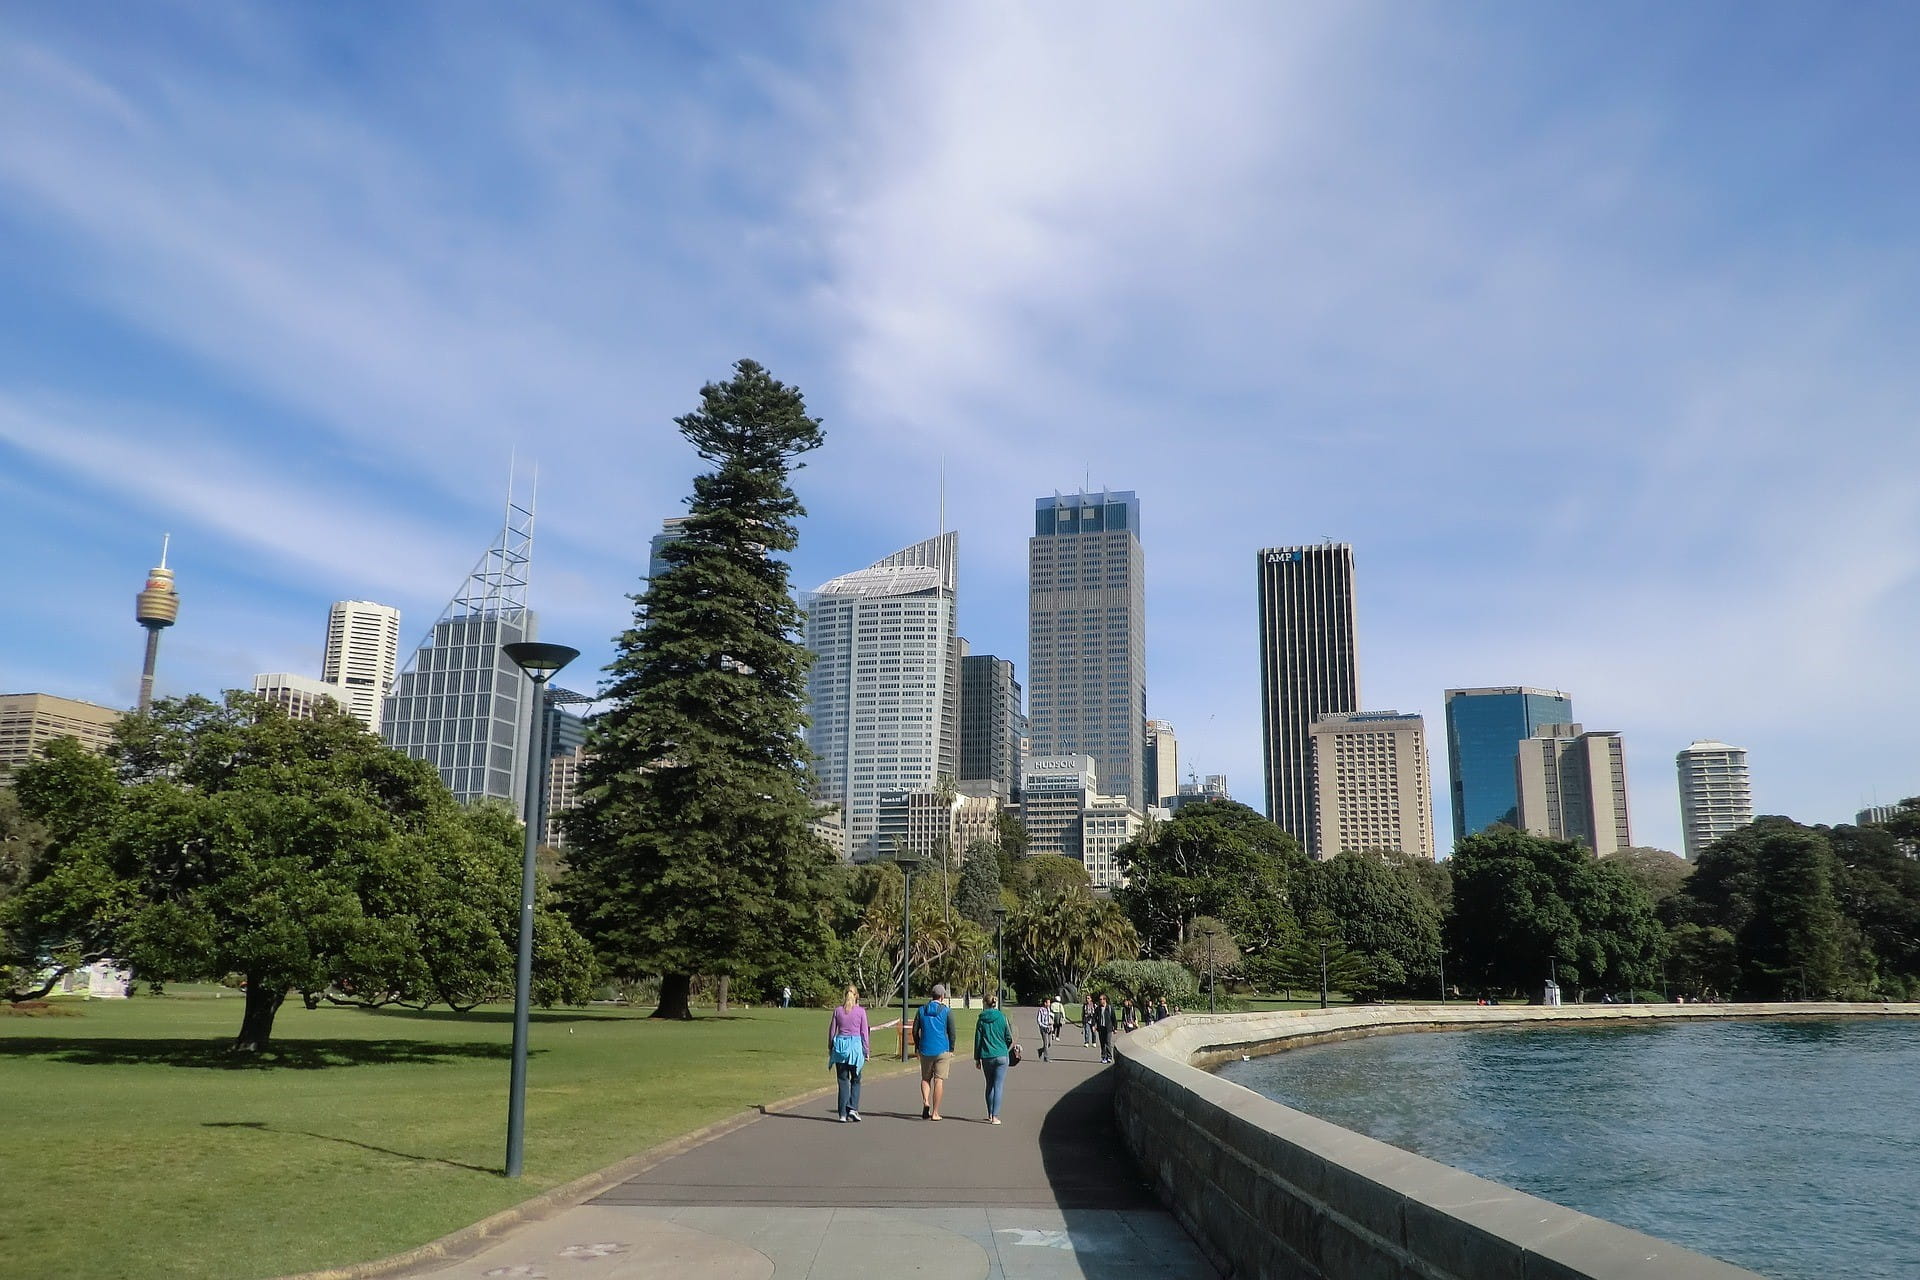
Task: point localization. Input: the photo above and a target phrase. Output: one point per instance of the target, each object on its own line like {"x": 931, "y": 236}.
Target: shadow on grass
{"x": 298, "y": 1055}
{"x": 260, "y": 1126}
{"x": 497, "y": 1016}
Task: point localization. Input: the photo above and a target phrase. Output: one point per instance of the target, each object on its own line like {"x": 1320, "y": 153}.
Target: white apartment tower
{"x": 1163, "y": 763}
{"x": 363, "y": 655}
{"x": 1716, "y": 796}
{"x": 1572, "y": 785}
{"x": 884, "y": 691}
{"x": 1372, "y": 787}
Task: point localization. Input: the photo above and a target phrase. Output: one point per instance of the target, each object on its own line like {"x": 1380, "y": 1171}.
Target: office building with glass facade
{"x": 990, "y": 722}
{"x": 461, "y": 704}
{"x": 1087, "y": 636}
{"x": 1308, "y": 668}
{"x": 1484, "y": 730}
{"x": 884, "y": 690}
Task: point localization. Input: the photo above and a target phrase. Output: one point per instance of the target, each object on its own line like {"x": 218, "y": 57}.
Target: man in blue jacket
{"x": 933, "y": 1038}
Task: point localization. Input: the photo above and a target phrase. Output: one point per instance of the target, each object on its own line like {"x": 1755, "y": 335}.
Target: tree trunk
{"x": 256, "y": 1023}
{"x": 676, "y": 991}
{"x": 721, "y": 1001}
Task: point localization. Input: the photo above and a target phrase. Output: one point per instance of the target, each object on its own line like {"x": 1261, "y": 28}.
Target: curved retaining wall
{"x": 1273, "y": 1192}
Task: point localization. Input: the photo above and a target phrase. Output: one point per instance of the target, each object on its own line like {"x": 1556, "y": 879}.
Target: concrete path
{"x": 1048, "y": 1194}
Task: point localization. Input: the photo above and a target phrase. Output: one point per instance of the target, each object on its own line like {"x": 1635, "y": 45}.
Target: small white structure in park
{"x": 101, "y": 980}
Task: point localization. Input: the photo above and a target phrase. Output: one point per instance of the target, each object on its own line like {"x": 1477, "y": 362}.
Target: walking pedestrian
{"x": 1164, "y": 1013}
{"x": 992, "y": 1051}
{"x": 933, "y": 1033}
{"x": 1086, "y": 1022}
{"x": 1058, "y": 1009}
{"x": 786, "y": 997}
{"x": 1045, "y": 1019}
{"x": 849, "y": 1045}
{"x": 1129, "y": 1019}
{"x": 1103, "y": 1024}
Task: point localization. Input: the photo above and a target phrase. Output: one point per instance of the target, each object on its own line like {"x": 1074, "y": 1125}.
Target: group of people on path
{"x": 995, "y": 1048}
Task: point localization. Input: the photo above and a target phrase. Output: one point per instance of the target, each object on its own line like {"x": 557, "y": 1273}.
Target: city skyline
{"x": 1656, "y": 310}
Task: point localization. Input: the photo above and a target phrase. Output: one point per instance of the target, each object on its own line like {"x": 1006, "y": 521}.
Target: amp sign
{"x": 1284, "y": 557}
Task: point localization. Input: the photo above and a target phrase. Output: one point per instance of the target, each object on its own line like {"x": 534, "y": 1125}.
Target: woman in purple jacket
{"x": 849, "y": 1044}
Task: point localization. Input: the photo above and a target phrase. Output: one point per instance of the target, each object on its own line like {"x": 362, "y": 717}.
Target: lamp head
{"x": 538, "y": 659}
{"x": 906, "y": 861}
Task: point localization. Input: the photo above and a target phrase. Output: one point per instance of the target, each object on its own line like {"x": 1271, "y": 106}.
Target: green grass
{"x": 136, "y": 1145}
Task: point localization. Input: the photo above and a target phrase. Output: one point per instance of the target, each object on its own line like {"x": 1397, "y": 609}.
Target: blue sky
{"x": 1591, "y": 327}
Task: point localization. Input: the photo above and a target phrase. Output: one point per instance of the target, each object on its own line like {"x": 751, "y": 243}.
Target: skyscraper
{"x": 1372, "y": 783}
{"x": 299, "y": 696}
{"x": 1716, "y": 795}
{"x": 990, "y": 723}
{"x": 29, "y": 721}
{"x": 1163, "y": 762}
{"x": 1484, "y": 730}
{"x": 461, "y": 704}
{"x": 1087, "y": 636}
{"x": 363, "y": 652}
{"x": 1573, "y": 786}
{"x": 884, "y": 690}
{"x": 1308, "y": 668}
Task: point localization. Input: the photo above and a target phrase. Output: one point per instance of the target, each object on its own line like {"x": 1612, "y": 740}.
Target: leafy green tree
{"x": 1144, "y": 980}
{"x": 1061, "y": 936}
{"x": 1210, "y": 951}
{"x": 979, "y": 890}
{"x": 1660, "y": 873}
{"x": 1315, "y": 958}
{"x": 1219, "y": 859}
{"x": 1524, "y": 906}
{"x": 1383, "y": 912}
{"x": 1012, "y": 839}
{"x": 1049, "y": 873}
{"x": 1877, "y": 887}
{"x": 1702, "y": 959}
{"x": 58, "y": 910}
{"x": 692, "y": 850}
{"x": 302, "y": 855}
{"x": 1771, "y": 885}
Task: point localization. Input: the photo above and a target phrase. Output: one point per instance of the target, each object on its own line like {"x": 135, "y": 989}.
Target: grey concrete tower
{"x": 1308, "y": 668}
{"x": 1087, "y": 636}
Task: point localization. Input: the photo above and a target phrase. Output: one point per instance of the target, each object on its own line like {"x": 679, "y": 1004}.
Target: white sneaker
{"x": 854, "y": 1116}
{"x": 846, "y": 1119}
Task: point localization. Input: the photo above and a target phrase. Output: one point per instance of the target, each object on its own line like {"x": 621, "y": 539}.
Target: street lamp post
{"x": 539, "y": 661}
{"x": 1443, "y": 972}
{"x": 999, "y": 952}
{"x": 907, "y": 862}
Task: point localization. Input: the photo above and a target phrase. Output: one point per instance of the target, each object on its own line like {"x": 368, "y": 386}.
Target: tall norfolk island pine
{"x": 691, "y": 851}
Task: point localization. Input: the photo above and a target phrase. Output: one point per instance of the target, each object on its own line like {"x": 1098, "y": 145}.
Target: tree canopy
{"x": 692, "y": 850}
{"x": 302, "y": 855}
{"x": 1525, "y": 906}
{"x": 1218, "y": 859}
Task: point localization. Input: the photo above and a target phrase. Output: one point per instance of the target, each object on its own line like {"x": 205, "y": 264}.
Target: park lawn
{"x": 136, "y": 1145}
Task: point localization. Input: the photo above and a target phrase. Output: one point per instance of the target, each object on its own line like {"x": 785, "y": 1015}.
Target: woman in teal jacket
{"x": 992, "y": 1048}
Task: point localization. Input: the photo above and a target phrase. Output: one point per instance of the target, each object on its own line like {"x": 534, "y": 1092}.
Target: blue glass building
{"x": 1484, "y": 731}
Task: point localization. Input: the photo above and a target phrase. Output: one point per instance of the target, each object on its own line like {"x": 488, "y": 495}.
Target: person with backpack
{"x": 933, "y": 1035}
{"x": 849, "y": 1045}
{"x": 1059, "y": 1012}
{"x": 993, "y": 1053}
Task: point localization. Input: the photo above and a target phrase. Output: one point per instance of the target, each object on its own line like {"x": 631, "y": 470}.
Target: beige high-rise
{"x": 1372, "y": 788}
{"x": 1573, "y": 786}
{"x": 29, "y": 721}
{"x": 362, "y": 656}
{"x": 299, "y": 696}
{"x": 1163, "y": 763}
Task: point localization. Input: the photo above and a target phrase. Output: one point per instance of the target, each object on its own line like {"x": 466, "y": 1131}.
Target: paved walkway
{"x": 1048, "y": 1194}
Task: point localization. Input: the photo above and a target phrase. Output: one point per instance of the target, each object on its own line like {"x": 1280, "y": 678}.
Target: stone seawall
{"x": 1273, "y": 1192}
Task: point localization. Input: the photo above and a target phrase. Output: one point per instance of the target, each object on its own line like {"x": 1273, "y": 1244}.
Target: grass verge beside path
{"x": 138, "y": 1146}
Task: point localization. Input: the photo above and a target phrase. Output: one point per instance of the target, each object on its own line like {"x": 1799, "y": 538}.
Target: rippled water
{"x": 1792, "y": 1148}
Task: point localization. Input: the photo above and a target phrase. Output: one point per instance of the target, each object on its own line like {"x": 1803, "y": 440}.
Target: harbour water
{"x": 1790, "y": 1147}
